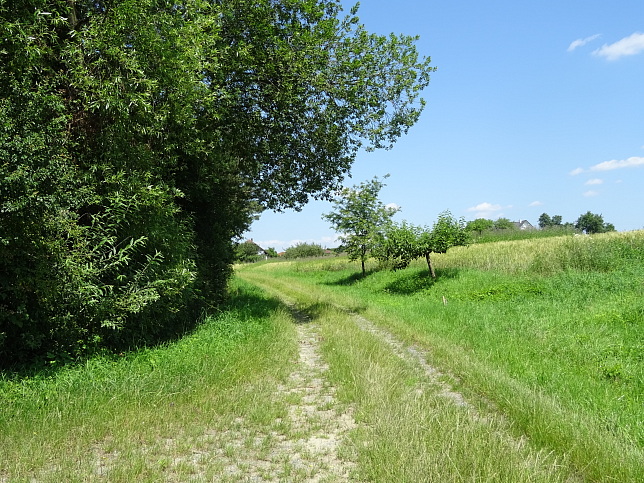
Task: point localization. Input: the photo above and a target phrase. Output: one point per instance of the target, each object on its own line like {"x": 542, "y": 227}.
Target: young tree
{"x": 405, "y": 242}
{"x": 545, "y": 221}
{"x": 248, "y": 251}
{"x": 503, "y": 224}
{"x": 480, "y": 225}
{"x": 304, "y": 250}
{"x": 361, "y": 219}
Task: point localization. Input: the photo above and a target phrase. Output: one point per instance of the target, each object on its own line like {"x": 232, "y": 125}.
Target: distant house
{"x": 523, "y": 225}
{"x": 259, "y": 250}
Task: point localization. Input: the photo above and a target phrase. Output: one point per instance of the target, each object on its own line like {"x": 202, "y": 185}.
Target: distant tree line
{"x": 588, "y": 223}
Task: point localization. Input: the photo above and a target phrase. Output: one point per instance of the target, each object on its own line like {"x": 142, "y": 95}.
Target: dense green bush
{"x": 304, "y": 250}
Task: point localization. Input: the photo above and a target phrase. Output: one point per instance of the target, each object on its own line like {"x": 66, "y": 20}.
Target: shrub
{"x": 304, "y": 250}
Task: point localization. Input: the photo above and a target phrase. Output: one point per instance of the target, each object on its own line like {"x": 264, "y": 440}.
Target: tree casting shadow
{"x": 353, "y": 278}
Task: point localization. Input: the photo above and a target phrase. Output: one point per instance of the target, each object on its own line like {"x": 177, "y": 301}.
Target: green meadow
{"x": 549, "y": 332}
{"x": 540, "y": 344}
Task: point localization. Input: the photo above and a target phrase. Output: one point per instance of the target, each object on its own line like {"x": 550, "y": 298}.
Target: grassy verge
{"x": 160, "y": 414}
{"x": 550, "y": 332}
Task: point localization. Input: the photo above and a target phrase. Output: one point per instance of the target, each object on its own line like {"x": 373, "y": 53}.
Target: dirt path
{"x": 308, "y": 450}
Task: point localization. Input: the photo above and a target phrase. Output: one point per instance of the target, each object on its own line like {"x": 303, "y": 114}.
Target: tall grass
{"x": 602, "y": 252}
{"x": 133, "y": 417}
{"x": 494, "y": 235}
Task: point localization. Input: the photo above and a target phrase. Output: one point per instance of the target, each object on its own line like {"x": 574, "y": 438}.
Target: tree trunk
{"x": 73, "y": 19}
{"x": 429, "y": 265}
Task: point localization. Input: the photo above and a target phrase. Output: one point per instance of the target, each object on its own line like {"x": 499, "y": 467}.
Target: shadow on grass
{"x": 353, "y": 278}
{"x": 411, "y": 283}
{"x": 311, "y": 312}
{"x": 248, "y": 302}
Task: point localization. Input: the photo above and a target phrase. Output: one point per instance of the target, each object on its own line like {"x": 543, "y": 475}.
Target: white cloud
{"x": 594, "y": 181}
{"x": 618, "y": 164}
{"x": 536, "y": 203}
{"x": 582, "y": 42}
{"x": 577, "y": 171}
{"x": 485, "y": 207}
{"x": 631, "y": 45}
{"x": 485, "y": 210}
{"x": 590, "y": 193}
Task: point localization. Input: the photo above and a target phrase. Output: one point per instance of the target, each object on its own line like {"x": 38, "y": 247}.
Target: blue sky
{"x": 535, "y": 107}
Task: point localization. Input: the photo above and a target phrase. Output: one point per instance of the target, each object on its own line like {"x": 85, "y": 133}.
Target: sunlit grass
{"x": 550, "y": 330}
{"x": 142, "y": 416}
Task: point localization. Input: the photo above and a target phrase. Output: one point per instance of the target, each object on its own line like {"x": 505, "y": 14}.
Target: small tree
{"x": 503, "y": 224}
{"x": 247, "y": 251}
{"x": 480, "y": 225}
{"x": 546, "y": 221}
{"x": 360, "y": 218}
{"x": 446, "y": 233}
{"x": 400, "y": 245}
{"x": 404, "y": 243}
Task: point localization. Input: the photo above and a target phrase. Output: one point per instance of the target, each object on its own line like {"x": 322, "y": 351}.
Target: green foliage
{"x": 404, "y": 243}
{"x": 591, "y": 223}
{"x": 138, "y": 138}
{"x": 480, "y": 224}
{"x": 400, "y": 245}
{"x": 546, "y": 221}
{"x": 75, "y": 415}
{"x": 557, "y": 350}
{"x": 503, "y": 224}
{"x": 248, "y": 251}
{"x": 304, "y": 250}
{"x": 361, "y": 219}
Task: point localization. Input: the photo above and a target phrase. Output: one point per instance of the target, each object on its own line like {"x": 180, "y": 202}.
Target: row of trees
{"x": 139, "y": 138}
{"x": 588, "y": 223}
{"x": 366, "y": 229}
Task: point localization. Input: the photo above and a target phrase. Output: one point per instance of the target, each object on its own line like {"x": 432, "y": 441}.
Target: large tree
{"x": 361, "y": 219}
{"x": 591, "y": 223}
{"x": 138, "y": 138}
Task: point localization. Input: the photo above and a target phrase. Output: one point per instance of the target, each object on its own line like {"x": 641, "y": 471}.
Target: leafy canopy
{"x": 140, "y": 138}
{"x": 304, "y": 250}
{"x": 591, "y": 223}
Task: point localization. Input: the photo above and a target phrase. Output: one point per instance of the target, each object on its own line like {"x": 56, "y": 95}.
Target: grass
{"x": 549, "y": 331}
{"x": 155, "y": 414}
{"x": 409, "y": 432}
{"x": 542, "y": 338}
{"x": 406, "y": 429}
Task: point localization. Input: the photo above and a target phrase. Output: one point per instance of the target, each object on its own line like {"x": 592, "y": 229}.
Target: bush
{"x": 304, "y": 250}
